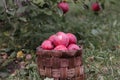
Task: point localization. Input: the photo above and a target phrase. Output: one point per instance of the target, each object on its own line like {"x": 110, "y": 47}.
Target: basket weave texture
{"x": 60, "y": 65}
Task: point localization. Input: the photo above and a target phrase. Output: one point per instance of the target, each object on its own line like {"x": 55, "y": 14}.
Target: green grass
{"x": 100, "y": 36}
{"x": 105, "y": 65}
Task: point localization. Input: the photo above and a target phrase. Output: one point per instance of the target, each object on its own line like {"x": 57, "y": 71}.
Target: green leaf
{"x": 94, "y": 32}
{"x": 48, "y": 12}
{"x": 11, "y": 13}
{"x": 23, "y": 72}
{"x": 6, "y": 34}
{"x": 21, "y": 9}
{"x": 38, "y": 1}
{"x": 118, "y": 71}
{"x": 13, "y": 55}
{"x": 6, "y": 62}
{"x": 23, "y": 19}
{"x": 112, "y": 2}
{"x": 60, "y": 12}
{"x": 32, "y": 65}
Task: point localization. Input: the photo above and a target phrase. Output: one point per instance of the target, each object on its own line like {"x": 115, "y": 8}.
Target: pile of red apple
{"x": 60, "y": 41}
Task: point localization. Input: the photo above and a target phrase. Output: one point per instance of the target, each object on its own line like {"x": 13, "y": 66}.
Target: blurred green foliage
{"x": 26, "y": 23}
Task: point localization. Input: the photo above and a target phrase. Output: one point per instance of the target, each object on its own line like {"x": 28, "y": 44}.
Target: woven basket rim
{"x": 58, "y": 53}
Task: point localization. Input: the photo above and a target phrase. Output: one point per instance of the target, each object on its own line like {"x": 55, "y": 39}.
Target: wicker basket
{"x": 60, "y": 65}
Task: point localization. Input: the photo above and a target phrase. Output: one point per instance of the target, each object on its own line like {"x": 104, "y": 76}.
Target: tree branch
{"x": 5, "y": 5}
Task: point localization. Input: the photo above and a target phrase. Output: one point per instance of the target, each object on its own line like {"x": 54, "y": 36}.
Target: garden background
{"x": 24, "y": 24}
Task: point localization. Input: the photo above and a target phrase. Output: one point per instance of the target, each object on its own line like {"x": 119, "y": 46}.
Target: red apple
{"x": 47, "y": 45}
{"x": 72, "y": 38}
{"x": 51, "y": 38}
{"x": 60, "y": 47}
{"x": 63, "y": 6}
{"x": 73, "y": 47}
{"x": 96, "y": 6}
{"x": 61, "y": 39}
